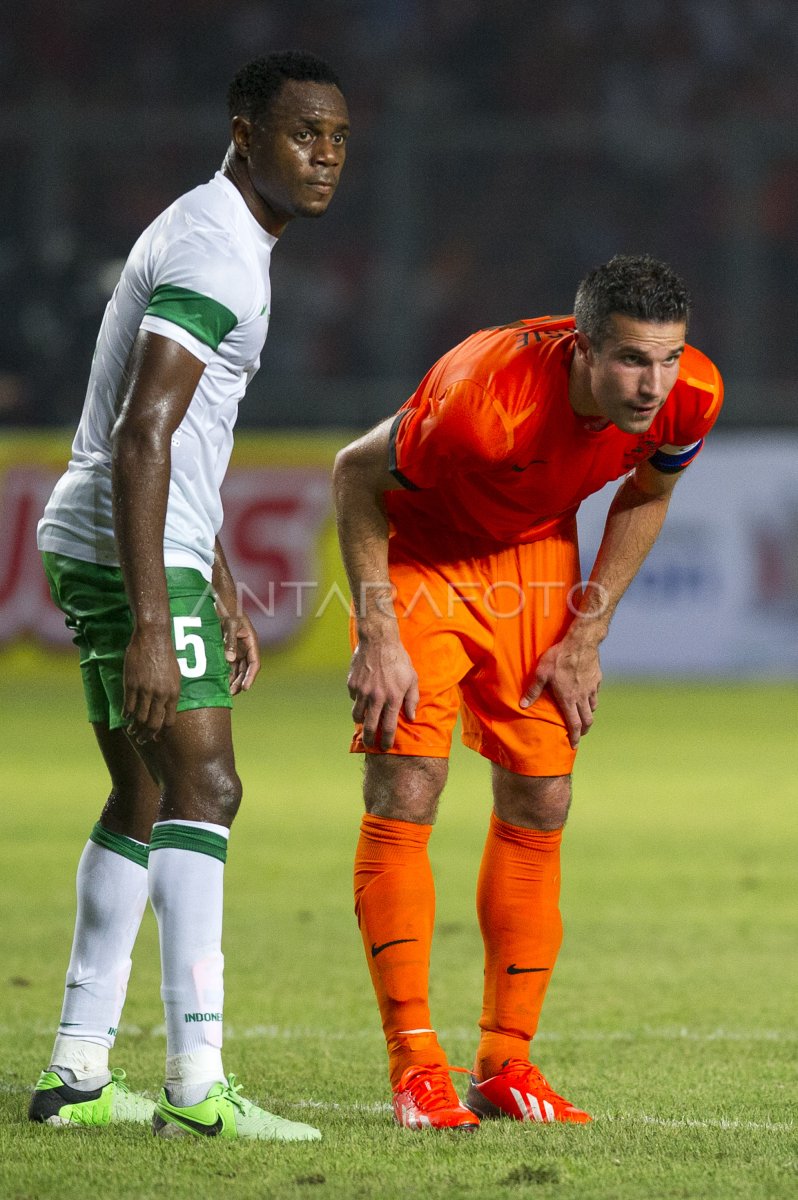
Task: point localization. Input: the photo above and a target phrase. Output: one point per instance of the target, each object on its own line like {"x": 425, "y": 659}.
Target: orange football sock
{"x": 395, "y": 907}
{"x": 518, "y": 905}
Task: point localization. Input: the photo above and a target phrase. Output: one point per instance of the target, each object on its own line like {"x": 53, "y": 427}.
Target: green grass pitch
{"x": 671, "y": 1016}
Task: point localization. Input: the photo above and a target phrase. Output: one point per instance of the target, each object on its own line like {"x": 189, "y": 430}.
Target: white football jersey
{"x": 200, "y": 276}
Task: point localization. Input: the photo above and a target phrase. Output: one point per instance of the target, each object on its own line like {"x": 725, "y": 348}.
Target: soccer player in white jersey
{"x": 130, "y": 545}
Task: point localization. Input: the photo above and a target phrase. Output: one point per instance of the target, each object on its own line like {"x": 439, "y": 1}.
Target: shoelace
{"x": 231, "y": 1093}
{"x": 118, "y": 1077}
{"x": 533, "y": 1078}
{"x": 433, "y": 1086}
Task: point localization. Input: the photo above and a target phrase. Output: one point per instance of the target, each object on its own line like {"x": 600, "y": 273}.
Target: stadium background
{"x": 500, "y": 148}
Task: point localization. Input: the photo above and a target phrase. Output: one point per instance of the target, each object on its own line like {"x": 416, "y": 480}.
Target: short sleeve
{"x": 202, "y": 316}
{"x": 698, "y": 398}
{"x": 434, "y": 436}
{"x": 176, "y": 333}
{"x": 201, "y": 286}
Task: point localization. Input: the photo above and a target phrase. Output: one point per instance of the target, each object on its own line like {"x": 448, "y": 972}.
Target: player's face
{"x": 633, "y": 372}
{"x": 297, "y": 153}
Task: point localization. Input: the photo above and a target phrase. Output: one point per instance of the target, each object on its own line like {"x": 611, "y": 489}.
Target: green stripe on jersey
{"x": 208, "y": 320}
{"x": 127, "y": 847}
{"x": 187, "y": 837}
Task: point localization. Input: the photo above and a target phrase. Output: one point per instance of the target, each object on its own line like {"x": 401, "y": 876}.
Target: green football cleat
{"x": 56, "y": 1103}
{"x": 223, "y": 1113}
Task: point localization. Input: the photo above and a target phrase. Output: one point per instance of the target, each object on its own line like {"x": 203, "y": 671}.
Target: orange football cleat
{"x": 520, "y": 1091}
{"x": 426, "y": 1099}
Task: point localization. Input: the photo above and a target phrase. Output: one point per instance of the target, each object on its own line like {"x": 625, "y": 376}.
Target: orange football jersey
{"x": 490, "y": 447}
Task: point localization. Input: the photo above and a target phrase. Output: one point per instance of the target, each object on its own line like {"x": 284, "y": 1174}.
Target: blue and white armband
{"x": 675, "y": 458}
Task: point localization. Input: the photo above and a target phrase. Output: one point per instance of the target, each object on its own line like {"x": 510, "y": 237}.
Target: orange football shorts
{"x": 474, "y": 628}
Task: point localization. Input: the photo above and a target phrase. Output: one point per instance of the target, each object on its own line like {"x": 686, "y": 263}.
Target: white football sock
{"x": 112, "y": 894}
{"x": 186, "y": 882}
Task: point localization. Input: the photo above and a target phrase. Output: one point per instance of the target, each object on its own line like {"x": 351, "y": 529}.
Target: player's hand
{"x": 382, "y": 681}
{"x": 241, "y": 651}
{"x": 151, "y": 682}
{"x": 571, "y": 669}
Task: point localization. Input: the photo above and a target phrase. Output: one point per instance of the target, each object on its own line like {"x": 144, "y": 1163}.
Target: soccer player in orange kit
{"x": 457, "y": 523}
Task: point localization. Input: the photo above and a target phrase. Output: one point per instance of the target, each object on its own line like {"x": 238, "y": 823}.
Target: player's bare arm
{"x": 160, "y": 380}
{"x": 240, "y": 640}
{"x": 382, "y": 679}
{"x": 571, "y": 668}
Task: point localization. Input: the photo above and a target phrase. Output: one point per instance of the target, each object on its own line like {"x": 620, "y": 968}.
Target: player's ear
{"x": 241, "y": 130}
{"x": 584, "y": 347}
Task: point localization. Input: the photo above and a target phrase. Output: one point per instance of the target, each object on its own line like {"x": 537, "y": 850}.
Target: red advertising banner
{"x": 277, "y": 534}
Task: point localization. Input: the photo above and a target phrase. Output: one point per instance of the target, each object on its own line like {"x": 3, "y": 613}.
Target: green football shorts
{"x": 93, "y": 601}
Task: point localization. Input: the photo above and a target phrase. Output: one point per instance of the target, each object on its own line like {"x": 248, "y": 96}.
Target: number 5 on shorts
{"x": 192, "y": 642}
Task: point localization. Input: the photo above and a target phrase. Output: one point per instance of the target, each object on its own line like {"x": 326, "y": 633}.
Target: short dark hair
{"x": 255, "y": 85}
{"x": 631, "y": 285}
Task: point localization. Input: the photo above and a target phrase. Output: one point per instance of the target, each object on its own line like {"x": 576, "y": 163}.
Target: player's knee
{"x": 227, "y": 791}
{"x": 403, "y": 787}
{"x": 217, "y": 793}
{"x": 207, "y": 791}
{"x": 555, "y": 802}
{"x": 536, "y": 802}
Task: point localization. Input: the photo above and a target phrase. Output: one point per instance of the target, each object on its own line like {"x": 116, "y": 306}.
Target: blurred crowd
{"x": 500, "y": 148}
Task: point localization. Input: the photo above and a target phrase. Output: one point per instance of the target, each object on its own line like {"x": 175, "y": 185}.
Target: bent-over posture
{"x": 457, "y": 528}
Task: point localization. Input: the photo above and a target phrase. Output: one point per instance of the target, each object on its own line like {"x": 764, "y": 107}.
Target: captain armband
{"x": 671, "y": 461}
